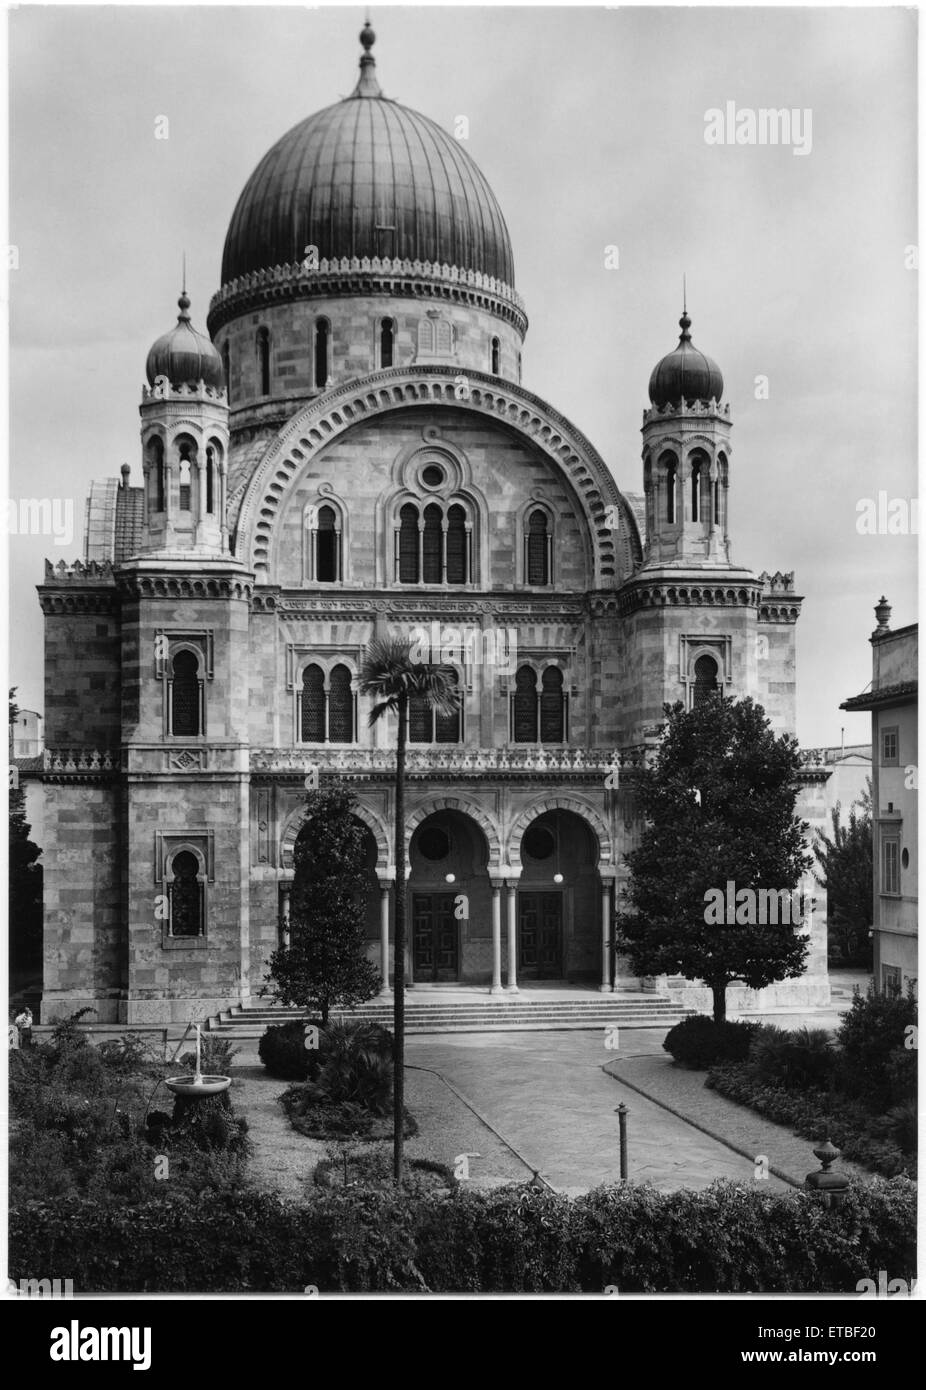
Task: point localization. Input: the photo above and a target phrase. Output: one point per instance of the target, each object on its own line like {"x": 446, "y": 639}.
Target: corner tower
{"x": 686, "y": 452}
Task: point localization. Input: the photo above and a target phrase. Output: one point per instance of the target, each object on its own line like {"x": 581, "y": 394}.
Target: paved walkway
{"x": 547, "y": 1095}
{"x": 684, "y": 1093}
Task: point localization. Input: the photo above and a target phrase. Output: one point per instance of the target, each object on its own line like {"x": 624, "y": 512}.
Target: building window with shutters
{"x": 426, "y": 725}
{"x": 538, "y": 548}
{"x": 185, "y": 695}
{"x": 890, "y": 864}
{"x": 890, "y": 747}
{"x": 327, "y": 707}
{"x": 433, "y": 544}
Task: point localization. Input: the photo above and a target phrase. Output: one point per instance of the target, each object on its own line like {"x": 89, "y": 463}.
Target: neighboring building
{"x": 352, "y": 452}
{"x": 892, "y": 699}
{"x": 26, "y": 734}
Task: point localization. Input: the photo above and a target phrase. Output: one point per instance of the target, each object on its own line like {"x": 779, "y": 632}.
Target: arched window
{"x": 425, "y": 725}
{"x": 263, "y": 360}
{"x": 322, "y": 344}
{"x": 443, "y": 337}
{"x": 408, "y": 544}
{"x": 186, "y": 896}
{"x": 185, "y": 696}
{"x": 433, "y": 544}
{"x": 447, "y": 726}
{"x": 210, "y": 479}
{"x": 695, "y": 488}
{"x": 552, "y": 706}
{"x": 524, "y": 713}
{"x": 425, "y": 336}
{"x": 386, "y": 342}
{"x": 718, "y": 484}
{"x": 537, "y": 548}
{"x": 457, "y": 545}
{"x": 340, "y": 707}
{"x": 519, "y": 368}
{"x": 327, "y": 547}
{"x": 184, "y": 483}
{"x": 705, "y": 682}
{"x": 156, "y": 458}
{"x": 671, "y": 474}
{"x": 496, "y": 354}
{"x": 226, "y": 365}
{"x": 313, "y": 705}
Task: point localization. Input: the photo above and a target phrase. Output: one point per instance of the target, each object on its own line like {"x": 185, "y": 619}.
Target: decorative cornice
{"x": 398, "y": 388}
{"x": 640, "y": 592}
{"x": 204, "y": 586}
{"x": 362, "y": 276}
{"x": 785, "y": 613}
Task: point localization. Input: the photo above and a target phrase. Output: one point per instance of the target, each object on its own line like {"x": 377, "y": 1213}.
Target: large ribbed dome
{"x": 367, "y": 177}
{"x": 685, "y": 374}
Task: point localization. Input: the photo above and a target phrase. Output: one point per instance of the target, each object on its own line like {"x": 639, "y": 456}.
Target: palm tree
{"x": 391, "y": 676}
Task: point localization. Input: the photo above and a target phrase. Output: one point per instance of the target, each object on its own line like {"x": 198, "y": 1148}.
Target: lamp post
{"x": 622, "y": 1112}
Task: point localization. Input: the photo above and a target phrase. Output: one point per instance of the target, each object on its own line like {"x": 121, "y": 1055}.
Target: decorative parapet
{"x": 364, "y": 275}
{"x": 436, "y": 762}
{"x": 93, "y": 572}
{"x": 699, "y": 408}
{"x": 777, "y": 583}
{"x": 163, "y": 390}
{"x": 80, "y": 760}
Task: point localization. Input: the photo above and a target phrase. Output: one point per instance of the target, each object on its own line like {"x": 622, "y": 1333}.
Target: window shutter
{"x": 551, "y": 706}
{"x": 525, "y": 706}
{"x": 313, "y": 705}
{"x": 340, "y": 707}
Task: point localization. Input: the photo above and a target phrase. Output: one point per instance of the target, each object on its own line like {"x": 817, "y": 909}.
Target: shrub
{"x": 355, "y": 1066}
{"x": 871, "y": 1040}
{"x": 729, "y": 1238}
{"x": 344, "y": 1119}
{"x": 283, "y": 1051}
{"x": 366, "y": 1169}
{"x": 698, "y": 1042}
{"x": 796, "y": 1060}
{"x": 817, "y": 1115}
{"x": 215, "y": 1056}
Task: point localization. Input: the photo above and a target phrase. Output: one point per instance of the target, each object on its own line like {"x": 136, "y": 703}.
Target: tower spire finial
{"x": 367, "y": 85}
{"x": 183, "y": 303}
{"x": 684, "y": 322}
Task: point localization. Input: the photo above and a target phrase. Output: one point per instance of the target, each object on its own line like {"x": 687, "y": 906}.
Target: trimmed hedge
{"x": 729, "y": 1238}
{"x": 862, "y": 1137}
{"x": 698, "y": 1042}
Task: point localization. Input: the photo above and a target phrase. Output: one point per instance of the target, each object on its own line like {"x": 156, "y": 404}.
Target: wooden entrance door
{"x": 435, "y": 938}
{"x": 540, "y": 936}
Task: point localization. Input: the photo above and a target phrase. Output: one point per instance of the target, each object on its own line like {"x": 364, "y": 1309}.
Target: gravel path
{"x": 683, "y": 1093}
{"x": 283, "y": 1160}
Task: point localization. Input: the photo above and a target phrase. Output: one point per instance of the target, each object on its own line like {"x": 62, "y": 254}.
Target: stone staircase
{"x": 478, "y": 1012}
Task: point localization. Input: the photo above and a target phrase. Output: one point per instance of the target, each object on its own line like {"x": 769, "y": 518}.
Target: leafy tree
{"x": 325, "y": 965}
{"x": 25, "y": 885}
{"x": 392, "y": 677}
{"x": 844, "y": 858}
{"x": 718, "y": 802}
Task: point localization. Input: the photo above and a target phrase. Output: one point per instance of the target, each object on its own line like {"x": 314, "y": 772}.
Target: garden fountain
{"x": 197, "y": 1086}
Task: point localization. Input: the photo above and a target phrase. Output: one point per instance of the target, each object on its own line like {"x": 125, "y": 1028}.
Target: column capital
{"x": 385, "y": 877}
{"x": 607, "y": 873}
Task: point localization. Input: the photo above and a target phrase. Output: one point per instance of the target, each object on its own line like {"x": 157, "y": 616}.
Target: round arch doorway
{"x": 558, "y": 892}
{"x": 449, "y": 901}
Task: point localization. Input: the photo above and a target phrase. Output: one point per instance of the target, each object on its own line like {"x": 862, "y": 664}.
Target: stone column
{"x": 385, "y": 886}
{"x": 511, "y": 886}
{"x": 606, "y": 874}
{"x": 285, "y": 891}
{"x": 496, "y": 938}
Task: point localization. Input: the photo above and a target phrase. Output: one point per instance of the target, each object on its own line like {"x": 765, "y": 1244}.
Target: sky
{"x": 590, "y": 126}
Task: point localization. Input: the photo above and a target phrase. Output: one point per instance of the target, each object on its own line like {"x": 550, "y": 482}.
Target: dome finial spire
{"x": 367, "y": 85}
{"x": 684, "y": 322}
{"x": 183, "y": 303}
